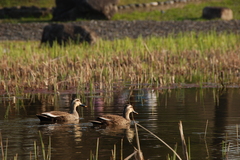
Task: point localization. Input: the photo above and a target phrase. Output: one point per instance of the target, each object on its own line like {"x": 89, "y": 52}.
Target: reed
{"x": 4, "y": 154}
{"x": 46, "y": 154}
{"x": 173, "y": 157}
{"x": 237, "y": 143}
{"x": 160, "y": 141}
{"x": 225, "y": 149}
{"x": 156, "y": 61}
{"x": 114, "y": 152}
{"x": 184, "y": 146}
{"x": 95, "y": 156}
{"x": 97, "y": 149}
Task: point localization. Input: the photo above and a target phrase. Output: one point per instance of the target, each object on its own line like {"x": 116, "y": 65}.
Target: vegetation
{"x": 45, "y": 155}
{"x": 51, "y": 3}
{"x": 191, "y": 11}
{"x": 39, "y": 3}
{"x": 185, "y": 58}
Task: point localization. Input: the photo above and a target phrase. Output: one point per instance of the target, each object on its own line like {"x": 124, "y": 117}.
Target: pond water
{"x": 160, "y": 111}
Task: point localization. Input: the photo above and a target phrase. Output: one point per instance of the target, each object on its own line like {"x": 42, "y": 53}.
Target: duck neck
{"x": 73, "y": 110}
{"x": 126, "y": 115}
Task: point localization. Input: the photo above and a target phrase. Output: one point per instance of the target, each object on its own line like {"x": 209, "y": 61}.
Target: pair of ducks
{"x": 72, "y": 115}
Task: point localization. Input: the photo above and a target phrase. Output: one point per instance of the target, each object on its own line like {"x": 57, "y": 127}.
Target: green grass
{"x": 39, "y": 3}
{"x": 46, "y": 152}
{"x": 185, "y": 58}
{"x": 51, "y": 3}
{"x": 124, "y": 2}
{"x": 191, "y": 11}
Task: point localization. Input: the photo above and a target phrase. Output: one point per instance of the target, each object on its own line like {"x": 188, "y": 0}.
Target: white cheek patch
{"x": 49, "y": 114}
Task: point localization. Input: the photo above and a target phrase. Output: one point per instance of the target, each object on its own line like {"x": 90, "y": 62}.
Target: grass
{"x": 124, "y": 2}
{"x": 39, "y": 3}
{"x": 51, "y": 3}
{"x": 46, "y": 152}
{"x": 156, "y": 61}
{"x": 191, "y": 11}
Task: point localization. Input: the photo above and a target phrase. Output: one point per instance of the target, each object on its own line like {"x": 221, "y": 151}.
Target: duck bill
{"x": 135, "y": 112}
{"x": 83, "y": 105}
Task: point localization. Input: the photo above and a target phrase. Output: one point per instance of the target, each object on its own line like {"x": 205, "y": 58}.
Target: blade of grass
{"x": 2, "y": 145}
{"x": 205, "y": 133}
{"x": 140, "y": 155}
{"x": 184, "y": 146}
{"x": 6, "y": 149}
{"x": 121, "y": 149}
{"x": 97, "y": 149}
{"x": 43, "y": 147}
{"x": 160, "y": 140}
{"x": 49, "y": 148}
{"x": 237, "y": 137}
{"x": 35, "y": 150}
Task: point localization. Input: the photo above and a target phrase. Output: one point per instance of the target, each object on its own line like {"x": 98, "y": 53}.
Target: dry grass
{"x": 154, "y": 61}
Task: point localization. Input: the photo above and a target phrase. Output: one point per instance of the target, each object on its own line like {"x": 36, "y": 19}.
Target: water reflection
{"x": 159, "y": 111}
{"x": 144, "y": 97}
{"x": 225, "y": 133}
{"x": 127, "y": 132}
{"x": 65, "y": 135}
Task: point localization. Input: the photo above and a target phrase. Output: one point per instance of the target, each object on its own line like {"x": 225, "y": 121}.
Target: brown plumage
{"x": 117, "y": 120}
{"x": 59, "y": 116}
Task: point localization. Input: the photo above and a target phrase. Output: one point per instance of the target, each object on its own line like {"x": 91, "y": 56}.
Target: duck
{"x": 116, "y": 120}
{"x": 59, "y": 116}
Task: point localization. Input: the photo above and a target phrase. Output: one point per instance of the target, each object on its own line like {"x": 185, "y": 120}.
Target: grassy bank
{"x": 186, "y": 58}
{"x": 190, "y": 11}
{"x": 51, "y": 3}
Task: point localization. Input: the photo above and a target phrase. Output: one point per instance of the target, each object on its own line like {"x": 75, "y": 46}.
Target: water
{"x": 159, "y": 111}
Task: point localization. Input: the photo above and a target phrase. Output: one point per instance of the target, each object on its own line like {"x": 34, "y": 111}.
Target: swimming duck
{"x": 59, "y": 116}
{"x": 117, "y": 120}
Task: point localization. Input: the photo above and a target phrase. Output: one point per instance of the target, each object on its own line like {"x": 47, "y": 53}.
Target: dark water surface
{"x": 159, "y": 112}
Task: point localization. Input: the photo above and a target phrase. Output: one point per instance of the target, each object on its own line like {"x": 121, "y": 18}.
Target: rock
{"x": 217, "y": 12}
{"x": 161, "y": 3}
{"x": 65, "y": 33}
{"x": 20, "y": 12}
{"x": 88, "y": 9}
{"x": 154, "y": 4}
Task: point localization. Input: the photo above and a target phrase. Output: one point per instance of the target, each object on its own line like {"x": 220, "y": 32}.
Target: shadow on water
{"x": 159, "y": 111}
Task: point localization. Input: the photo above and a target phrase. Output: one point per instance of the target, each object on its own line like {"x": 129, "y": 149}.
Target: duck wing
{"x": 108, "y": 120}
{"x": 53, "y": 116}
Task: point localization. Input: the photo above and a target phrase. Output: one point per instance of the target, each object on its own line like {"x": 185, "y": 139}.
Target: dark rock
{"x": 139, "y": 5}
{"x": 120, "y": 7}
{"x": 132, "y": 5}
{"x": 23, "y": 11}
{"x": 217, "y": 12}
{"x": 88, "y": 9}
{"x": 65, "y": 33}
{"x": 161, "y": 3}
{"x": 183, "y": 1}
{"x": 146, "y": 4}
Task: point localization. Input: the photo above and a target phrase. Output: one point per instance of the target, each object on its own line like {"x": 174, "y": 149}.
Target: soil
{"x": 119, "y": 29}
